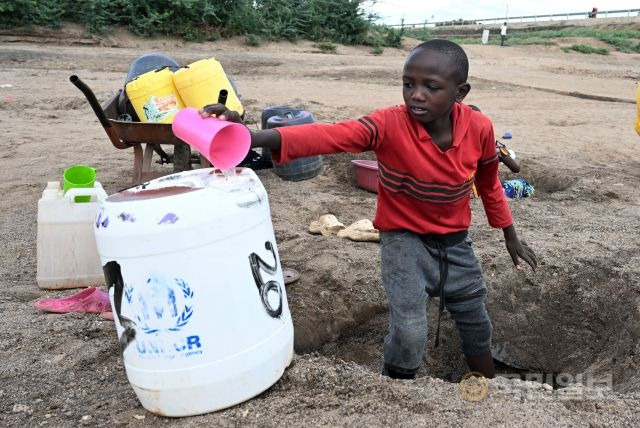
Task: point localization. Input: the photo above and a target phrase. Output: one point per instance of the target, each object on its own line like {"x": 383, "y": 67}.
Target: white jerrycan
{"x": 67, "y": 256}
{"x": 196, "y": 285}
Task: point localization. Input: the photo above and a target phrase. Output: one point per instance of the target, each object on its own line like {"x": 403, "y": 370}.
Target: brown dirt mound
{"x": 576, "y": 316}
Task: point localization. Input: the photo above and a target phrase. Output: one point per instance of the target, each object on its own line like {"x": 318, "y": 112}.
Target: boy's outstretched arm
{"x": 518, "y": 249}
{"x": 291, "y": 142}
{"x": 269, "y": 138}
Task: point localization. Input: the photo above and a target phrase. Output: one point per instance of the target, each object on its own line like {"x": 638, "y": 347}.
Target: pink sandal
{"x": 91, "y": 300}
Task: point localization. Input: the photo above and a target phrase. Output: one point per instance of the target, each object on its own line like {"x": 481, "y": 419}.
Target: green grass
{"x": 622, "y": 44}
{"x": 377, "y": 50}
{"x": 586, "y": 49}
{"x": 326, "y": 46}
{"x": 627, "y": 41}
{"x": 253, "y": 40}
{"x": 524, "y": 41}
{"x": 338, "y": 21}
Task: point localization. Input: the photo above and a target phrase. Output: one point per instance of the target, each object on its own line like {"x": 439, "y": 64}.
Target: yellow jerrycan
{"x": 154, "y": 96}
{"x": 200, "y": 84}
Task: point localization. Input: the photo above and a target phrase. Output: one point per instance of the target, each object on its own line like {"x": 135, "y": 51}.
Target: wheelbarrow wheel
{"x": 301, "y": 168}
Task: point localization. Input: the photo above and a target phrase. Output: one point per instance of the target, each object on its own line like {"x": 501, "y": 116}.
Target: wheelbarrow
{"x": 145, "y": 138}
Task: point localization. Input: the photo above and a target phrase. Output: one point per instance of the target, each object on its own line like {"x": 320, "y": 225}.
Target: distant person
{"x": 503, "y": 33}
{"x": 430, "y": 151}
{"x": 593, "y": 13}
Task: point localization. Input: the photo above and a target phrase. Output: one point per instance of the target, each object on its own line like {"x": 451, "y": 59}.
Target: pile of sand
{"x": 577, "y": 315}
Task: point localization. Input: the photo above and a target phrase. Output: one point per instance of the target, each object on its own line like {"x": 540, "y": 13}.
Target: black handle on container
{"x": 93, "y": 101}
{"x": 222, "y": 96}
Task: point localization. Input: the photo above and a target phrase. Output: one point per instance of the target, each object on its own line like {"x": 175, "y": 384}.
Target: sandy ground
{"x": 578, "y": 315}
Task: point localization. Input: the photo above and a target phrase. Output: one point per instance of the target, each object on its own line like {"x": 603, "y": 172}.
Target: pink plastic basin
{"x": 366, "y": 174}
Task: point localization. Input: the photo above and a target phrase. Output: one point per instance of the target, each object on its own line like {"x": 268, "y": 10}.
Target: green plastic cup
{"x": 79, "y": 176}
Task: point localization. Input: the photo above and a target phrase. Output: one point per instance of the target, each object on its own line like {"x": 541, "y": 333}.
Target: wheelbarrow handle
{"x": 93, "y": 101}
{"x": 97, "y": 109}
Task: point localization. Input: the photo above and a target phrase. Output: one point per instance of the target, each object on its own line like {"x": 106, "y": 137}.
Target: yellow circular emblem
{"x": 474, "y": 386}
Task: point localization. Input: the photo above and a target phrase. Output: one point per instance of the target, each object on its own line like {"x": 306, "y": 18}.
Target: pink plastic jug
{"x": 225, "y": 144}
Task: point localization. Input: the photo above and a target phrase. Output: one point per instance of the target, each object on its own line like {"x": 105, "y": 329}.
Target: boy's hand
{"x": 269, "y": 138}
{"x": 221, "y": 112}
{"x": 517, "y": 249}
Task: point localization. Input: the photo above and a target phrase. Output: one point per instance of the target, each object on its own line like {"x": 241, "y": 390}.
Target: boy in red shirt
{"x": 430, "y": 151}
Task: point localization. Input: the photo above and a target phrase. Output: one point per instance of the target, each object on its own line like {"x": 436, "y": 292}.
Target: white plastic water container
{"x": 195, "y": 281}
{"x": 67, "y": 256}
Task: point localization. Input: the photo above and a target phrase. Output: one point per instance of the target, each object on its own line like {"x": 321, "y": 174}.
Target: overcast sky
{"x": 415, "y": 11}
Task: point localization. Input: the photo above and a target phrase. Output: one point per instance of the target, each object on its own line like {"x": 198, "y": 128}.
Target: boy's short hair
{"x": 452, "y": 50}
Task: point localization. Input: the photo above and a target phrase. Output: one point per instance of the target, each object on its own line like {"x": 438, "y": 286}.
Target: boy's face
{"x": 429, "y": 86}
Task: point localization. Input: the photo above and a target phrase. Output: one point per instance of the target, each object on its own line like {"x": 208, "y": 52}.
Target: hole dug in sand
{"x": 562, "y": 325}
{"x": 543, "y": 178}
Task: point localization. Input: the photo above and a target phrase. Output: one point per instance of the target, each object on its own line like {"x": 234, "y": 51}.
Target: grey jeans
{"x": 411, "y": 273}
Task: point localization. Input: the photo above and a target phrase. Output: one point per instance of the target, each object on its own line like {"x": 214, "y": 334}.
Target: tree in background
{"x": 341, "y": 21}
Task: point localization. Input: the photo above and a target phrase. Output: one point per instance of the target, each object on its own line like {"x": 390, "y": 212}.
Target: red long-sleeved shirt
{"x": 420, "y": 187}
